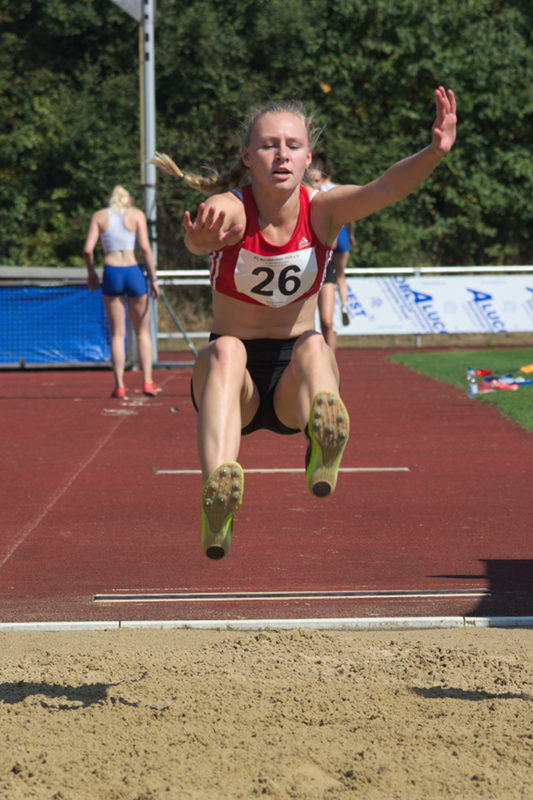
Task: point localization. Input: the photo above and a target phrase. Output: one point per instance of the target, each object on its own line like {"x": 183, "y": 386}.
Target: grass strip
{"x": 450, "y": 367}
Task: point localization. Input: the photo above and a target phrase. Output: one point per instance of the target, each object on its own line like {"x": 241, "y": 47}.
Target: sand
{"x": 164, "y": 714}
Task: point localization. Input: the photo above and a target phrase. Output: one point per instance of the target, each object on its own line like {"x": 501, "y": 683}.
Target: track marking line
{"x": 273, "y": 470}
{"x": 227, "y": 597}
{"x": 118, "y": 412}
{"x": 120, "y": 415}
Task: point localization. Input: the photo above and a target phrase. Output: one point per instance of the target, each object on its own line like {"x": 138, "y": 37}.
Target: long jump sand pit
{"x": 308, "y": 714}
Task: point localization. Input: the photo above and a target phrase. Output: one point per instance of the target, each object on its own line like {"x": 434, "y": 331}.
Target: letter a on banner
{"x": 420, "y": 297}
{"x": 480, "y": 297}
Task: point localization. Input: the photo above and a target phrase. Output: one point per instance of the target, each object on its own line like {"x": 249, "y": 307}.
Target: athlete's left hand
{"x": 444, "y": 127}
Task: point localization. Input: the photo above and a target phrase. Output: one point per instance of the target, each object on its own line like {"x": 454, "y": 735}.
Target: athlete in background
{"x": 121, "y": 228}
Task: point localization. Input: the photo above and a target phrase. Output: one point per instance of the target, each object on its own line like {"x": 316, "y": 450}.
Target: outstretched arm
{"x": 347, "y": 203}
{"x": 219, "y": 223}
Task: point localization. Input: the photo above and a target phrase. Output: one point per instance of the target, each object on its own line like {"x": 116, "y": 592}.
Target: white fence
{"x": 384, "y": 301}
{"x": 422, "y": 300}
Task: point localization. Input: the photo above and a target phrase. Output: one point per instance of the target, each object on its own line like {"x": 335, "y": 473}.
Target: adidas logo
{"x": 303, "y": 243}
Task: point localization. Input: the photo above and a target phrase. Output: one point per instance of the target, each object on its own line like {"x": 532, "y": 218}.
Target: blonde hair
{"x": 120, "y": 199}
{"x": 207, "y": 184}
{"x": 237, "y": 172}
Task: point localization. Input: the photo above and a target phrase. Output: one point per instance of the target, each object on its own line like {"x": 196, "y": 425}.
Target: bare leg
{"x": 340, "y": 262}
{"x": 227, "y": 400}
{"x": 326, "y": 306}
{"x": 139, "y": 309}
{"x": 116, "y": 317}
{"x": 307, "y": 396}
{"x": 312, "y": 369}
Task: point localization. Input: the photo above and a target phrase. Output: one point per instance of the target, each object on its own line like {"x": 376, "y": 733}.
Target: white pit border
{"x": 326, "y": 623}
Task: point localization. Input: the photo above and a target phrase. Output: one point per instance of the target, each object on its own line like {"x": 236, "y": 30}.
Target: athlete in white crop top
{"x": 120, "y": 228}
{"x": 266, "y": 365}
{"x": 117, "y": 236}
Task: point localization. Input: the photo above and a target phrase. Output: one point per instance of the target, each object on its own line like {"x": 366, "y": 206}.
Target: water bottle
{"x": 471, "y": 382}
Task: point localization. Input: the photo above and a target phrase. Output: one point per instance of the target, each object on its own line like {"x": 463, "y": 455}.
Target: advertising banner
{"x": 443, "y": 304}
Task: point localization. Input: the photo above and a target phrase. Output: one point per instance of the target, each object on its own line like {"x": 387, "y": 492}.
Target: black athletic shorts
{"x": 267, "y": 358}
{"x": 330, "y": 276}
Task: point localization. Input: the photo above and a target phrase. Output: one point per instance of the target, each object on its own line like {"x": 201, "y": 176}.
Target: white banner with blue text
{"x": 444, "y": 304}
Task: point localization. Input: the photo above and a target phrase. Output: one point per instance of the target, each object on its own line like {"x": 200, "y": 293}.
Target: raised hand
{"x": 207, "y": 232}
{"x": 444, "y": 127}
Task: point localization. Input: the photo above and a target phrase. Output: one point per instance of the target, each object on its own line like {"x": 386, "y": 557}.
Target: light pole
{"x": 143, "y": 12}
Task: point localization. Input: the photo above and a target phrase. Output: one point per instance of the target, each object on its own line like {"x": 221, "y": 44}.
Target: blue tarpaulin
{"x": 52, "y": 325}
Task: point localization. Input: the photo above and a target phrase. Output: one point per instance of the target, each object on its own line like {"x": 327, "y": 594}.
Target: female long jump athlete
{"x": 121, "y": 228}
{"x": 269, "y": 243}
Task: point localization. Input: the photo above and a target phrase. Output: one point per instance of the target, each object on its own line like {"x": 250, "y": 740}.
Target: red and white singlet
{"x": 255, "y": 271}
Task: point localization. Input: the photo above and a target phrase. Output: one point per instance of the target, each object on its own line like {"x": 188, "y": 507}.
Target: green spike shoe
{"x": 221, "y": 496}
{"x": 328, "y": 430}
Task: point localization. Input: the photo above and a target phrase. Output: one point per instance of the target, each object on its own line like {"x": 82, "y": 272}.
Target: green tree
{"x": 369, "y": 71}
{"x": 69, "y": 123}
{"x": 70, "y": 114}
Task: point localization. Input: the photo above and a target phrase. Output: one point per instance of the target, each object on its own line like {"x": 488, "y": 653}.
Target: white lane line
{"x": 231, "y": 597}
{"x": 273, "y": 470}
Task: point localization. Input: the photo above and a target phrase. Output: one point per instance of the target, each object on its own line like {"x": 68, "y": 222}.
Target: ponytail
{"x": 206, "y": 184}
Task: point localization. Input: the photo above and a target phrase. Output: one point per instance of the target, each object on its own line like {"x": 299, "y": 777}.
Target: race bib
{"x": 276, "y": 280}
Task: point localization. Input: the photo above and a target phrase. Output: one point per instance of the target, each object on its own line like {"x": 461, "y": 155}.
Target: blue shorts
{"x": 343, "y": 241}
{"x": 267, "y": 359}
{"x": 118, "y": 281}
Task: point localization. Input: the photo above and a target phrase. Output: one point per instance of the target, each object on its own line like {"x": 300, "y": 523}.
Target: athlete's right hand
{"x": 207, "y": 232}
{"x": 93, "y": 281}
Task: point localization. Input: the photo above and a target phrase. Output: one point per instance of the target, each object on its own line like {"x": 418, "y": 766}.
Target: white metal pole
{"x": 150, "y": 147}
{"x": 143, "y": 11}
{"x": 149, "y": 121}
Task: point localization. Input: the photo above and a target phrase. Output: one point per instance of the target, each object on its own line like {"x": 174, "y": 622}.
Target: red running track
{"x": 88, "y": 508}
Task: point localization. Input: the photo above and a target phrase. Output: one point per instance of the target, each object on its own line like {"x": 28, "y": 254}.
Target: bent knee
{"x": 226, "y": 354}
{"x": 310, "y": 344}
{"x": 224, "y": 359}
{"x": 227, "y": 349}
{"x": 312, "y": 352}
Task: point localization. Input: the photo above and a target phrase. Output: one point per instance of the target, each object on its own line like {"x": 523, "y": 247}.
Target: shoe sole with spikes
{"x": 221, "y": 496}
{"x": 328, "y": 431}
